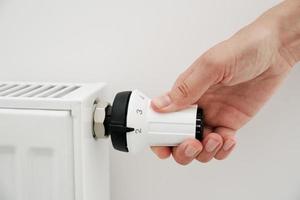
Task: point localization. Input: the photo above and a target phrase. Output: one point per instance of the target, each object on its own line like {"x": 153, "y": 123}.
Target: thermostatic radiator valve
{"x": 132, "y": 124}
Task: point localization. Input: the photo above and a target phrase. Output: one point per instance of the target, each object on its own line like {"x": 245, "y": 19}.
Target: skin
{"x": 233, "y": 80}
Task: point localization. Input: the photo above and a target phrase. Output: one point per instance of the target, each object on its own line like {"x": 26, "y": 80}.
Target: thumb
{"x": 188, "y": 88}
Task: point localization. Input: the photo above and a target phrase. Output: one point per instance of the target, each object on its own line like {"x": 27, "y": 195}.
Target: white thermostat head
{"x": 133, "y": 125}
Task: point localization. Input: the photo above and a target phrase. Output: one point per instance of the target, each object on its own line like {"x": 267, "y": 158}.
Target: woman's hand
{"x": 233, "y": 80}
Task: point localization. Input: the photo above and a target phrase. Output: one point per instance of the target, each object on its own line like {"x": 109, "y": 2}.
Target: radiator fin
{"x": 36, "y": 90}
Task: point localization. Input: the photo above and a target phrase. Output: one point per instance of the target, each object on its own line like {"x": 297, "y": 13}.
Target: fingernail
{"x": 162, "y": 101}
{"x": 228, "y": 145}
{"x": 191, "y": 151}
{"x": 211, "y": 145}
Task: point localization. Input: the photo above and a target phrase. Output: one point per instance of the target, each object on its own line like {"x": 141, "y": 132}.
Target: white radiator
{"x": 47, "y": 149}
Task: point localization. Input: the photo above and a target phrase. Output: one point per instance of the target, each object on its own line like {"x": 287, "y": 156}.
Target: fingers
{"x": 183, "y": 154}
{"x": 187, "y": 151}
{"x": 162, "y": 152}
{"x": 215, "y": 145}
{"x": 188, "y": 88}
{"x": 218, "y": 144}
{"x": 228, "y": 136}
{"x": 192, "y": 149}
{"x": 212, "y": 144}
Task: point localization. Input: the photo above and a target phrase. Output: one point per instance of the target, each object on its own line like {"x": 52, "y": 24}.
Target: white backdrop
{"x": 145, "y": 45}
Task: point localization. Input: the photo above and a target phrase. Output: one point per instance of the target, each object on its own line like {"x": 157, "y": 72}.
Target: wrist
{"x": 286, "y": 16}
{"x": 283, "y": 24}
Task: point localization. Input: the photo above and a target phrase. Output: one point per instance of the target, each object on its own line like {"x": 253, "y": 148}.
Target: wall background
{"x": 145, "y": 45}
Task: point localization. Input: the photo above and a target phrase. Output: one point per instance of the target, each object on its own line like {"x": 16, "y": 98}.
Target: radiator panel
{"x": 36, "y": 155}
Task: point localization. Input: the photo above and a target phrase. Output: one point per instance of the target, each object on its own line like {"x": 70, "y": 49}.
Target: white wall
{"x": 145, "y": 45}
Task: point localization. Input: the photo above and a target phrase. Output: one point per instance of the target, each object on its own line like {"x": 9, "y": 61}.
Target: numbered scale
{"x": 133, "y": 125}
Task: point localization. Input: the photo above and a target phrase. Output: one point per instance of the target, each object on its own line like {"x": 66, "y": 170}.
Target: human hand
{"x": 231, "y": 82}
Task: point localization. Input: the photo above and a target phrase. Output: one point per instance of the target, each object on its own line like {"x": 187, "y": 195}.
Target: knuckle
{"x": 180, "y": 78}
{"x": 209, "y": 59}
{"x": 217, "y": 66}
{"x": 204, "y": 159}
{"x": 179, "y": 157}
{"x": 220, "y": 157}
{"x": 183, "y": 90}
{"x": 181, "y": 161}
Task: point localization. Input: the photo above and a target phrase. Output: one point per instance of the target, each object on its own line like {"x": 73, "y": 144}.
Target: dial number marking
{"x": 139, "y": 111}
{"x": 138, "y": 130}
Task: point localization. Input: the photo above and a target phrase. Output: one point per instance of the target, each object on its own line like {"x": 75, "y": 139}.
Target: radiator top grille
{"x": 36, "y": 90}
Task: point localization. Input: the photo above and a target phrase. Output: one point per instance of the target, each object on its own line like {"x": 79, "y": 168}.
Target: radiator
{"x": 47, "y": 149}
